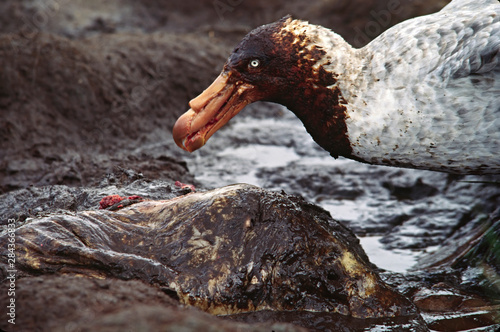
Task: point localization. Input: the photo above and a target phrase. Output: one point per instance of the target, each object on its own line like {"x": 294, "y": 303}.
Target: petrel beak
{"x": 211, "y": 110}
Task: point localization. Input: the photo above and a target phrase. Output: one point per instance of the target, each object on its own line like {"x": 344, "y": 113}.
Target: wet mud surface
{"x": 83, "y": 304}
{"x": 89, "y": 92}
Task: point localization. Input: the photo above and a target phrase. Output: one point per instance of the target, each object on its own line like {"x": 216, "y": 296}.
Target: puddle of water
{"x": 347, "y": 211}
{"x": 392, "y": 260}
{"x": 240, "y": 164}
{"x": 259, "y": 156}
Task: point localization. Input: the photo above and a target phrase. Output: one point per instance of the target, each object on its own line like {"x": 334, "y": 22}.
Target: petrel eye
{"x": 254, "y": 63}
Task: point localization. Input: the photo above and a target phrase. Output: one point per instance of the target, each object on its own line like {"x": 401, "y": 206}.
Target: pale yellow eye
{"x": 254, "y": 63}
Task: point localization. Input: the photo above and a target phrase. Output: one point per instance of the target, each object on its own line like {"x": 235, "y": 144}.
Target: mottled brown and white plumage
{"x": 425, "y": 94}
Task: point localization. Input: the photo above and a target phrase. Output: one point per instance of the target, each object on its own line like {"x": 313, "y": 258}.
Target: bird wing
{"x": 437, "y": 78}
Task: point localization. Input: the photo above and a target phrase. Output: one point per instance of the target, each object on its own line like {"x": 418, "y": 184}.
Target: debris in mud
{"x": 189, "y": 187}
{"x": 115, "y": 202}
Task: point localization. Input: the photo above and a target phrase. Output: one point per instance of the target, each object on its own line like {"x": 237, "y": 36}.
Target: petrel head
{"x": 277, "y": 62}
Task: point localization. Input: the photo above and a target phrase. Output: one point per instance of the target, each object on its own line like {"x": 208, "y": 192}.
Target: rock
{"x": 473, "y": 251}
{"x": 232, "y": 250}
{"x": 457, "y": 287}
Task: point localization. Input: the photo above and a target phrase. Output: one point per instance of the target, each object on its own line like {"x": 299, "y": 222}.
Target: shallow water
{"x": 396, "y": 260}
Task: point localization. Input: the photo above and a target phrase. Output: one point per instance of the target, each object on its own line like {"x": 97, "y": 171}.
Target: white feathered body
{"x": 426, "y": 93}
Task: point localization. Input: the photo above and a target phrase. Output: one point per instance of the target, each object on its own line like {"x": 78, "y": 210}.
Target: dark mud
{"x": 89, "y": 92}
{"x": 83, "y": 304}
{"x": 74, "y": 110}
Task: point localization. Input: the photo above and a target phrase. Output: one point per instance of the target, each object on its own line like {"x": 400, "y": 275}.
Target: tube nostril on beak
{"x": 197, "y": 104}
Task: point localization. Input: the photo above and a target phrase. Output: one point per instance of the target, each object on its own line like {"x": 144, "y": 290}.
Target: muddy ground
{"x": 89, "y": 92}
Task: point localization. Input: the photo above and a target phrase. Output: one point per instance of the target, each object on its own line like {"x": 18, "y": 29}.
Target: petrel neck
{"x": 319, "y": 100}
{"x": 322, "y": 111}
